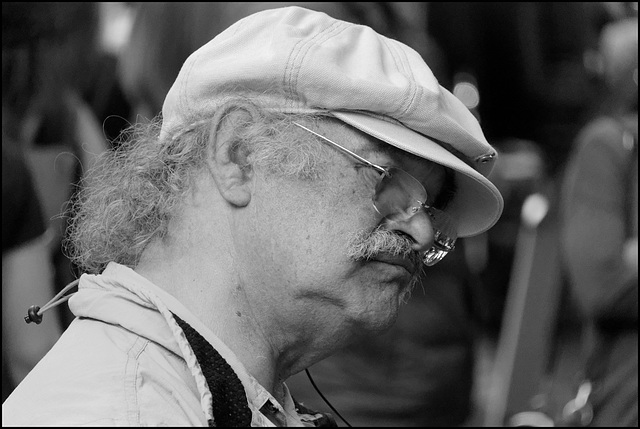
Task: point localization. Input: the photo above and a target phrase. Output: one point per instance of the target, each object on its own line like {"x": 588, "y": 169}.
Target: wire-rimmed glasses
{"x": 399, "y": 195}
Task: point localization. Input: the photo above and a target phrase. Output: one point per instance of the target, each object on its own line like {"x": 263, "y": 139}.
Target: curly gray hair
{"x": 137, "y": 188}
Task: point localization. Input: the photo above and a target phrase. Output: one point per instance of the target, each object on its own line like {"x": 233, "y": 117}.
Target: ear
{"x": 227, "y": 159}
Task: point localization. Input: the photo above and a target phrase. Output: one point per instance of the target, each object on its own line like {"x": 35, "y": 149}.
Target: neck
{"x": 269, "y": 327}
{"x": 220, "y": 301}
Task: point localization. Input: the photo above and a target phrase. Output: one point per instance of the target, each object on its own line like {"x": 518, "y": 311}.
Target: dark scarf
{"x": 229, "y": 400}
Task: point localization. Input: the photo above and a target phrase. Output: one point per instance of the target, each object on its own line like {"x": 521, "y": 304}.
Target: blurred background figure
{"x": 553, "y": 94}
{"x": 58, "y": 88}
{"x": 27, "y": 270}
{"x": 59, "y": 80}
{"x": 27, "y": 264}
{"x": 600, "y": 231}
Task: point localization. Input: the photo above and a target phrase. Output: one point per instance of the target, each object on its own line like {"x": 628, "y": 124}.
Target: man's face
{"x": 304, "y": 238}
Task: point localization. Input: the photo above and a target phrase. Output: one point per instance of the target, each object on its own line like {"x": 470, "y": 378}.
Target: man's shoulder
{"x": 103, "y": 374}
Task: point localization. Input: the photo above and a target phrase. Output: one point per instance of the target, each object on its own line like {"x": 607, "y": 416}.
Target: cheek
{"x": 310, "y": 226}
{"x": 333, "y": 218}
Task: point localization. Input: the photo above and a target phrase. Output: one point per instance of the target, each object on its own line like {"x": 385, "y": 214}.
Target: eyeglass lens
{"x": 399, "y": 194}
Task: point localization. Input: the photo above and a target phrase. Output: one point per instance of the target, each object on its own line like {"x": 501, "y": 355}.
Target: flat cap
{"x": 299, "y": 60}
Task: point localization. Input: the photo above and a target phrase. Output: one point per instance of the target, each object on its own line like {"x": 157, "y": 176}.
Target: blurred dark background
{"x": 81, "y": 72}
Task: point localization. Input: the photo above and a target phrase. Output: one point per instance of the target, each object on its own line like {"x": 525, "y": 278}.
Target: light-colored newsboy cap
{"x": 299, "y": 60}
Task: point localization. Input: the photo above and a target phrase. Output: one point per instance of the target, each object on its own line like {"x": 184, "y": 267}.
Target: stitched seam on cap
{"x": 391, "y": 47}
{"x": 409, "y": 74}
{"x": 415, "y": 88}
{"x": 295, "y": 73}
{"x": 288, "y": 82}
{"x": 400, "y": 65}
{"x": 286, "y": 79}
{"x": 296, "y": 63}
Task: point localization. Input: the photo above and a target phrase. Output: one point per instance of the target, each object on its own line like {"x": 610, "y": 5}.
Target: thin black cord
{"x": 325, "y": 399}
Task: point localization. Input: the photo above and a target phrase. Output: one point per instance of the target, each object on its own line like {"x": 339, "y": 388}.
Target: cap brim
{"x": 477, "y": 205}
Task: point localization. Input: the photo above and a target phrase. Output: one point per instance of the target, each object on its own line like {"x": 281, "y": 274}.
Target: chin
{"x": 377, "y": 322}
{"x": 382, "y": 300}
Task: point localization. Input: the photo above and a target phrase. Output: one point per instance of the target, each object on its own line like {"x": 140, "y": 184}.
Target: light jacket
{"x": 125, "y": 361}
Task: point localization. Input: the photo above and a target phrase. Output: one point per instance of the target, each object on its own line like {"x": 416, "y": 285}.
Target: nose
{"x": 418, "y": 227}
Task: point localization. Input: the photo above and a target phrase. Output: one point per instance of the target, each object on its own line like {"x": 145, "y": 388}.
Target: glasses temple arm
{"x": 344, "y": 149}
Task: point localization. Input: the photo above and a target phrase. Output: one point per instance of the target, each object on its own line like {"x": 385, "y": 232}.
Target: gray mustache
{"x": 367, "y": 245}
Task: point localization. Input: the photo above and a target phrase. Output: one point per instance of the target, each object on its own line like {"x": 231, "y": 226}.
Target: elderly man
{"x": 304, "y": 172}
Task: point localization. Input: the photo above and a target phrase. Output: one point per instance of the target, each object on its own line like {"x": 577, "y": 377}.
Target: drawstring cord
{"x": 34, "y": 314}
